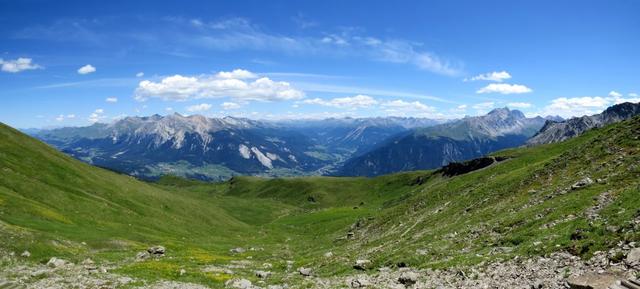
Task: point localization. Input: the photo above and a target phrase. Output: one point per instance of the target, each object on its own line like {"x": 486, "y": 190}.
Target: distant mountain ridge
{"x": 553, "y": 131}
{"x": 218, "y": 148}
{"x": 432, "y": 147}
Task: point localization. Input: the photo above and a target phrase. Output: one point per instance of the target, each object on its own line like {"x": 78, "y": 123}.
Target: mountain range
{"x": 219, "y": 148}
{"x": 436, "y": 146}
{"x": 556, "y": 131}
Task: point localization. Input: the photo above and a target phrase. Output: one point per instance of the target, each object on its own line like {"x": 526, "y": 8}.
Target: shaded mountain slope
{"x": 432, "y": 147}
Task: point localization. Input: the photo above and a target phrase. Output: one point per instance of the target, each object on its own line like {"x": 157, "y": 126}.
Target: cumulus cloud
{"x": 587, "y": 105}
{"x": 86, "y": 69}
{"x": 111, "y": 99}
{"x": 491, "y": 76}
{"x": 168, "y": 108}
{"x": 232, "y": 84}
{"x": 633, "y": 94}
{"x": 236, "y": 74}
{"x": 614, "y": 93}
{"x": 504, "y": 88}
{"x": 97, "y": 115}
{"x": 199, "y": 107}
{"x": 17, "y": 65}
{"x": 140, "y": 74}
{"x": 617, "y": 100}
{"x": 519, "y": 104}
{"x": 227, "y": 105}
{"x": 576, "y": 106}
{"x": 352, "y": 102}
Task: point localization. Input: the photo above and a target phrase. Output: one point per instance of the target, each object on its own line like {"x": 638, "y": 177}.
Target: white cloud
{"x": 86, "y": 69}
{"x": 491, "y": 76}
{"x": 230, "y": 105}
{"x": 353, "y": 102}
{"x": 168, "y": 108}
{"x": 223, "y": 84}
{"x": 617, "y": 100}
{"x": 71, "y": 116}
{"x": 633, "y": 94}
{"x": 60, "y": 118}
{"x": 396, "y": 51}
{"x": 504, "y": 88}
{"x": 97, "y": 115}
{"x": 576, "y": 106}
{"x": 17, "y": 65}
{"x": 111, "y": 99}
{"x": 239, "y": 33}
{"x": 140, "y": 74}
{"x": 199, "y": 107}
{"x": 519, "y": 104}
{"x": 236, "y": 74}
{"x": 614, "y": 93}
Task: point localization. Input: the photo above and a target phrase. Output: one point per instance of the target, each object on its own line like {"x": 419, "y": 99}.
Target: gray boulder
{"x": 239, "y": 284}
{"x": 582, "y": 183}
{"x": 633, "y": 257}
{"x": 263, "y": 274}
{"x": 362, "y": 264}
{"x": 304, "y": 271}
{"x": 238, "y": 250}
{"x": 56, "y": 263}
{"x": 156, "y": 250}
{"x": 408, "y": 278}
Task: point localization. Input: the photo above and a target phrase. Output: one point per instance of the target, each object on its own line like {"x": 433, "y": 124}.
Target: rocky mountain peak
{"x": 554, "y": 131}
{"x": 505, "y": 112}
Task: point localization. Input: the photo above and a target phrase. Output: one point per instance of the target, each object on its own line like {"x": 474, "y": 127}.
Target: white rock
{"x": 56, "y": 263}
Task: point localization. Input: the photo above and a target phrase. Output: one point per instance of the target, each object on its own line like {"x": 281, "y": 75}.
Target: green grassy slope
{"x": 50, "y": 204}
{"x": 523, "y": 206}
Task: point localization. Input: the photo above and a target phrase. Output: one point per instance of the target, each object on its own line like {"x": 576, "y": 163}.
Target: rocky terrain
{"x": 556, "y": 131}
{"x": 556, "y": 270}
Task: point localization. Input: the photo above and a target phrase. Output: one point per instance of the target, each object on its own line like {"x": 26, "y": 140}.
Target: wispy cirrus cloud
{"x": 237, "y": 34}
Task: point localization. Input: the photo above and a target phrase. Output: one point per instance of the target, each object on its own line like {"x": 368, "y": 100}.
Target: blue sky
{"x": 85, "y": 61}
